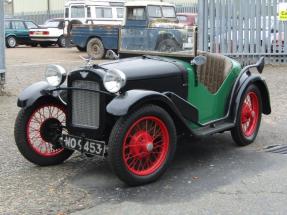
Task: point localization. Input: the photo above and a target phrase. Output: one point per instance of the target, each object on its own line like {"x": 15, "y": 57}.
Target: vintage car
{"x": 132, "y": 110}
{"x": 97, "y": 38}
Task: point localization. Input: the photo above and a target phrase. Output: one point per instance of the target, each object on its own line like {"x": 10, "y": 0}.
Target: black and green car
{"x": 17, "y": 32}
{"x": 132, "y": 110}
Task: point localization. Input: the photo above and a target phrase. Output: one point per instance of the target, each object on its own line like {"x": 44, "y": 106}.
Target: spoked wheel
{"x": 142, "y": 145}
{"x": 37, "y": 130}
{"x": 249, "y": 117}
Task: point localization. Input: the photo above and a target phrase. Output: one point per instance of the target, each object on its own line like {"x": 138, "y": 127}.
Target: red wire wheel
{"x": 249, "y": 117}
{"x": 146, "y": 145}
{"x": 37, "y": 126}
{"x": 250, "y": 114}
{"x": 142, "y": 145}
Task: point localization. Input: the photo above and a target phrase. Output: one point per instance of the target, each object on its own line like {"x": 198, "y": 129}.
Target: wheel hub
{"x": 50, "y": 129}
{"x": 143, "y": 144}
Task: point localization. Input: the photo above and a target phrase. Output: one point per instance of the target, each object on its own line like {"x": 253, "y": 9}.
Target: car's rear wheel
{"x": 95, "y": 48}
{"x": 248, "y": 118}
{"x": 37, "y": 130}
{"x": 168, "y": 45}
{"x": 11, "y": 42}
{"x": 61, "y": 42}
{"x": 142, "y": 145}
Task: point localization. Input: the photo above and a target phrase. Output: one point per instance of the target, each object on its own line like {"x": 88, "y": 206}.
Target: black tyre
{"x": 44, "y": 45}
{"x": 249, "y": 117}
{"x": 61, "y": 41}
{"x": 34, "y": 44}
{"x": 35, "y": 129}
{"x": 142, "y": 145}
{"x": 168, "y": 45}
{"x": 95, "y": 48}
{"x": 81, "y": 49}
{"x": 11, "y": 42}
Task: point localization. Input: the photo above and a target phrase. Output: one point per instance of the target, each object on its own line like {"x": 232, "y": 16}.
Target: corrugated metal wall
{"x": 30, "y": 6}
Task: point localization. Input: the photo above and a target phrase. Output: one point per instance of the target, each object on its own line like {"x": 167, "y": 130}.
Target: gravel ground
{"x": 208, "y": 176}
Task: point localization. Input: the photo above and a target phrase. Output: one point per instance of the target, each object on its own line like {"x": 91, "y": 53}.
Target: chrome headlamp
{"x": 114, "y": 80}
{"x": 55, "y": 75}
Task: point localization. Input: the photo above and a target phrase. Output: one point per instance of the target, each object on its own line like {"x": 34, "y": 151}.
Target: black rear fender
{"x": 261, "y": 84}
{"x": 36, "y": 92}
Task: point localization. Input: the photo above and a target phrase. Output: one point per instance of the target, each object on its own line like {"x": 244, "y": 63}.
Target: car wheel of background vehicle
{"x": 34, "y": 44}
{"x": 168, "y": 45}
{"x": 95, "y": 48}
{"x": 81, "y": 49}
{"x": 44, "y": 45}
{"x": 11, "y": 42}
{"x": 142, "y": 145}
{"x": 248, "y": 118}
{"x": 61, "y": 42}
{"x": 36, "y": 127}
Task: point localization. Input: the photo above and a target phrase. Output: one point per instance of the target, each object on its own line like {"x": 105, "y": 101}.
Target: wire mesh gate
{"x": 243, "y": 29}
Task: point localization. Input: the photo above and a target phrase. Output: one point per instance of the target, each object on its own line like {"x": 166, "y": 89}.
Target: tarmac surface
{"x": 208, "y": 176}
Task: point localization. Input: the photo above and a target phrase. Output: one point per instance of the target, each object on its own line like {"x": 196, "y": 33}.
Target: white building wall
{"x": 26, "y": 6}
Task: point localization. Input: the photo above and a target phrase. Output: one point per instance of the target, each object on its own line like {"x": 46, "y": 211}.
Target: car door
{"x": 21, "y": 31}
{"x": 8, "y": 28}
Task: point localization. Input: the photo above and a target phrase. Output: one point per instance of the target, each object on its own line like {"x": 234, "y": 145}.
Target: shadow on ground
{"x": 200, "y": 166}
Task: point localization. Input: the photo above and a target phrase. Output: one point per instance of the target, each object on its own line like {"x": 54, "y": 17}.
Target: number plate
{"x": 83, "y": 145}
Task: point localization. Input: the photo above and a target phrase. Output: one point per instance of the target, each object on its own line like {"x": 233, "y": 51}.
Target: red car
{"x": 188, "y": 19}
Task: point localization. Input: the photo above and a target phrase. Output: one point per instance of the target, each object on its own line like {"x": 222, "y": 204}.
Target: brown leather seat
{"x": 214, "y": 71}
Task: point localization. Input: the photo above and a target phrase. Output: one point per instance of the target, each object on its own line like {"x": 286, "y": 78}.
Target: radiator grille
{"x": 85, "y": 105}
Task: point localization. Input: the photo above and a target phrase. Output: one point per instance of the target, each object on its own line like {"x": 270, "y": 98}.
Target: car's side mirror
{"x": 199, "y": 60}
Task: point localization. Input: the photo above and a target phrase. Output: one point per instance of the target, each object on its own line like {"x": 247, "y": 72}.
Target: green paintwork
{"x": 210, "y": 106}
{"x": 21, "y": 32}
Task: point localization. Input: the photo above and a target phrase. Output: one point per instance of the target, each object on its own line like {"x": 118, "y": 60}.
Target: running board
{"x": 213, "y": 129}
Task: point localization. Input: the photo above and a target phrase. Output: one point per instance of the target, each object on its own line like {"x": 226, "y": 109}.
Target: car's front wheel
{"x": 11, "y": 42}
{"x": 61, "y": 42}
{"x": 36, "y": 131}
{"x": 248, "y": 117}
{"x": 142, "y": 145}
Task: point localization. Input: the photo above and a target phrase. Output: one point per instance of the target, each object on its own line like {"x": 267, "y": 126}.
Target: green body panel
{"x": 210, "y": 106}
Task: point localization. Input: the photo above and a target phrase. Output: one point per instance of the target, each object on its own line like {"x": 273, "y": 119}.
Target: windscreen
{"x": 160, "y": 41}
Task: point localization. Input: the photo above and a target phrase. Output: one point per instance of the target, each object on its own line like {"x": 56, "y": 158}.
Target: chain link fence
{"x": 40, "y": 17}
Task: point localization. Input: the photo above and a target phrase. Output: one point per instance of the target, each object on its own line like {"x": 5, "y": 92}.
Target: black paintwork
{"x": 152, "y": 73}
{"x": 166, "y": 86}
{"x": 33, "y": 93}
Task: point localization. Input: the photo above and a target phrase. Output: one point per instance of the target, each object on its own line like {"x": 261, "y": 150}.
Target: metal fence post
{"x": 201, "y": 27}
{"x": 2, "y": 46}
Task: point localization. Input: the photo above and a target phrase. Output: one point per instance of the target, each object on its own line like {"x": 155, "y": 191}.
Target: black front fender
{"x": 123, "y": 104}
{"x": 261, "y": 84}
{"x": 33, "y": 93}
